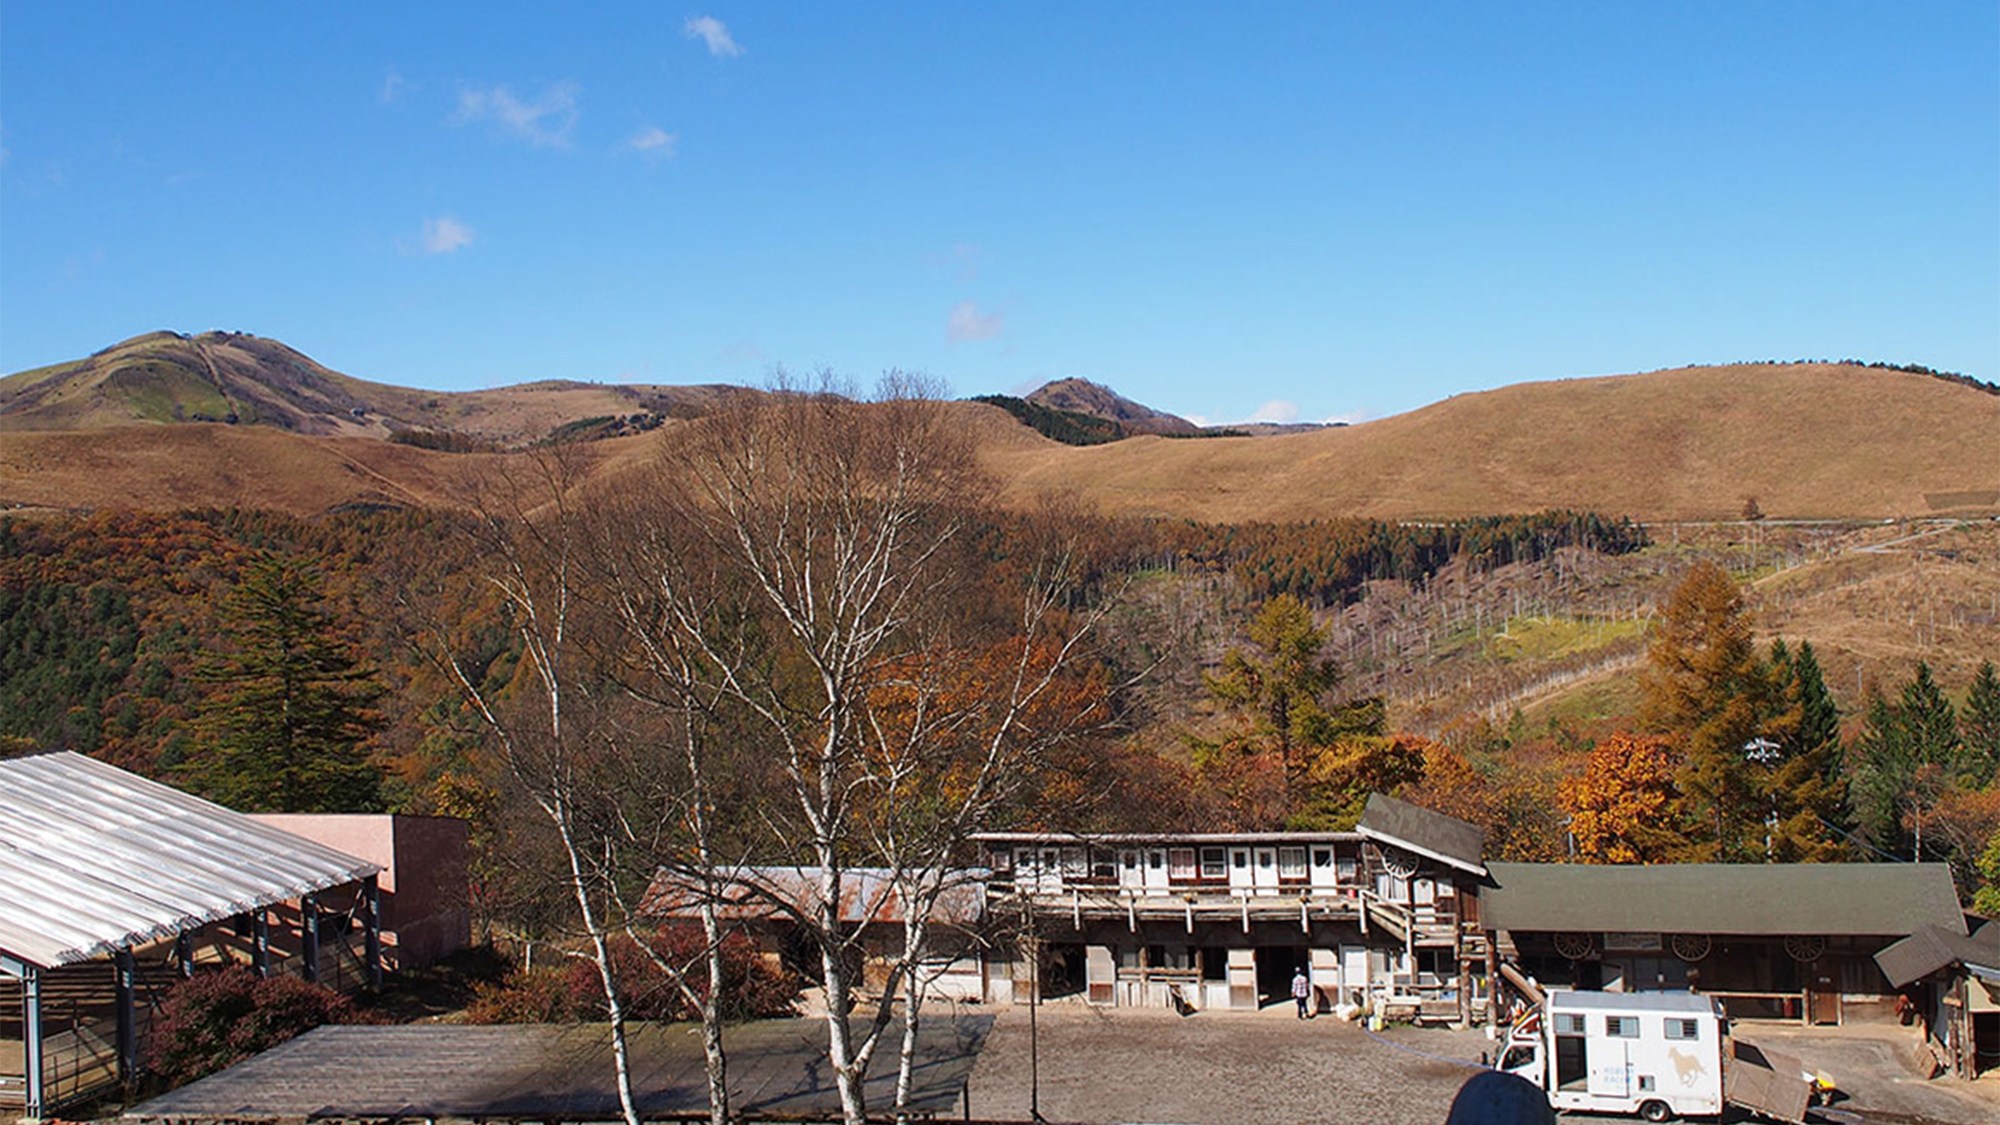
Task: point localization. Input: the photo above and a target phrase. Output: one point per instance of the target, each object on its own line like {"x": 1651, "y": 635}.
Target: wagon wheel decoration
{"x": 1692, "y": 947}
{"x": 1805, "y": 947}
{"x": 1399, "y": 863}
{"x": 1576, "y": 947}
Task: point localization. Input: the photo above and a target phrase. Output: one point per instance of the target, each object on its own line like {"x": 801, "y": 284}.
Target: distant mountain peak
{"x": 1081, "y": 396}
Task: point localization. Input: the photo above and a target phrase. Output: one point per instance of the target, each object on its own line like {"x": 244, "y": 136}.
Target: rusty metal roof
{"x": 867, "y": 895}
{"x": 93, "y": 858}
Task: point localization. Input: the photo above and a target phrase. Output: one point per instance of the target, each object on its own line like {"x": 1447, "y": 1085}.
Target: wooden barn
{"x": 1951, "y": 982}
{"x": 765, "y": 901}
{"x": 1773, "y": 940}
{"x": 1386, "y": 915}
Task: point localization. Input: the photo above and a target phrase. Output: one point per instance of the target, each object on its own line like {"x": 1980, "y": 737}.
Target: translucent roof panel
{"x": 93, "y": 858}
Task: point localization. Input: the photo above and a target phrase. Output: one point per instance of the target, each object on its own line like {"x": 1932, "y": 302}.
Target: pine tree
{"x": 1907, "y": 759}
{"x": 1282, "y": 682}
{"x": 1706, "y": 686}
{"x": 1295, "y": 761}
{"x": 1804, "y": 788}
{"x": 1979, "y": 728}
{"x": 1930, "y": 721}
{"x": 287, "y": 731}
{"x": 1879, "y": 768}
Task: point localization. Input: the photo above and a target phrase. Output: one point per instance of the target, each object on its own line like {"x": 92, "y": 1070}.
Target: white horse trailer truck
{"x": 1659, "y": 1055}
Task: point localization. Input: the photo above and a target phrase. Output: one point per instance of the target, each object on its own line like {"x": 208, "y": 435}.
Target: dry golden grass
{"x": 1806, "y": 441}
{"x": 171, "y": 467}
{"x": 1930, "y": 593}
{"x": 162, "y": 378}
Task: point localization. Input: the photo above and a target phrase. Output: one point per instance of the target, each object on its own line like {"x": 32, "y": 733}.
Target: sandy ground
{"x": 1267, "y": 1068}
{"x": 1219, "y": 1068}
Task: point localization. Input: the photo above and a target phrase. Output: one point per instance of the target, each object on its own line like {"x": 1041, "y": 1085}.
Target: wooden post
{"x": 260, "y": 948}
{"x": 1464, "y": 984}
{"x": 309, "y": 937}
{"x": 128, "y": 1029}
{"x": 371, "y": 896}
{"x": 1493, "y": 981}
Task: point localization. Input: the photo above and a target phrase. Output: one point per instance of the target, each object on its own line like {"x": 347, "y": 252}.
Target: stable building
{"x": 113, "y": 887}
{"x": 1386, "y": 914}
{"x": 1405, "y": 915}
{"x": 768, "y": 903}
{"x": 1777, "y": 940}
{"x": 1951, "y": 982}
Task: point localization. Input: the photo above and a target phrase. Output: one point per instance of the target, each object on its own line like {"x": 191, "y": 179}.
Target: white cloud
{"x": 545, "y": 122}
{"x": 394, "y": 86}
{"x": 654, "y": 141}
{"x": 445, "y": 235}
{"x": 1276, "y": 410}
{"x": 715, "y": 33}
{"x": 966, "y": 323}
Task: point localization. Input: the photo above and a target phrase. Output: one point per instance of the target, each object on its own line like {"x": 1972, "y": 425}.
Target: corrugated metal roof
{"x": 93, "y": 858}
{"x": 868, "y": 894}
{"x": 1878, "y": 899}
{"x": 1164, "y": 839}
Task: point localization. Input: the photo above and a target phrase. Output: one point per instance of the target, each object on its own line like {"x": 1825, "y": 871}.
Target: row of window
{"x": 1627, "y": 1027}
{"x": 1186, "y": 864}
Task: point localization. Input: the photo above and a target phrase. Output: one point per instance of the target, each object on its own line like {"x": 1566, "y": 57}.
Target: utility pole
{"x": 1765, "y": 753}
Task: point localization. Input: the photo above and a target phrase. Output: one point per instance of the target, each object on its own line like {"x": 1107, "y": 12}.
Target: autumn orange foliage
{"x": 1622, "y": 808}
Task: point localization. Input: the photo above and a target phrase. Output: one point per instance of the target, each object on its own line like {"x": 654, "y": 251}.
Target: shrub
{"x": 572, "y": 992}
{"x": 216, "y": 1019}
{"x": 539, "y": 995}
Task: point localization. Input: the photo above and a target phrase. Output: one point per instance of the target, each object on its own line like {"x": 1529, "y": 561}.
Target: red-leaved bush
{"x": 215, "y": 1019}
{"x": 572, "y": 991}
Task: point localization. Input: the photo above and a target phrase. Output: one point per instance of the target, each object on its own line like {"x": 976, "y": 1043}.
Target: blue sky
{"x": 1225, "y": 210}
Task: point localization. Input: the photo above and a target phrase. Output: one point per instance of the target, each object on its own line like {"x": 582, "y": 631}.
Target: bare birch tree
{"x": 663, "y": 670}
{"x": 841, "y": 523}
{"x": 531, "y": 545}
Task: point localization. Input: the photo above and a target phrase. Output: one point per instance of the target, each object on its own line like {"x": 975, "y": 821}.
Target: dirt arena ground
{"x": 1218, "y": 1068}
{"x": 1267, "y": 1068}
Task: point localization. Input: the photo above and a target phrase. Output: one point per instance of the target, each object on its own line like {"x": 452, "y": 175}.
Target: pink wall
{"x": 425, "y": 915}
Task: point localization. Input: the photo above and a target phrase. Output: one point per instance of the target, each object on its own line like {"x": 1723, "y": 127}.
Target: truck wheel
{"x": 1656, "y": 1111}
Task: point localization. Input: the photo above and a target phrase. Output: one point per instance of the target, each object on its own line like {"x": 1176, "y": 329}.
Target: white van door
{"x": 1610, "y": 1074}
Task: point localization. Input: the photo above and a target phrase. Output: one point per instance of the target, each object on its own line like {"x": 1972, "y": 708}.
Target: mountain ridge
{"x": 236, "y": 378}
{"x": 1805, "y": 440}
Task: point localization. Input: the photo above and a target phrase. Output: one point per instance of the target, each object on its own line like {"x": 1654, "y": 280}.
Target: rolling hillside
{"x": 1801, "y": 440}
{"x": 237, "y": 379}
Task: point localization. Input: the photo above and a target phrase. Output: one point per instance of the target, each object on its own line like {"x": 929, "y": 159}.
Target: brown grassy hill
{"x": 239, "y": 379}
{"x": 1803, "y": 440}
{"x": 166, "y": 468}
{"x": 1081, "y": 396}
{"x": 171, "y": 467}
